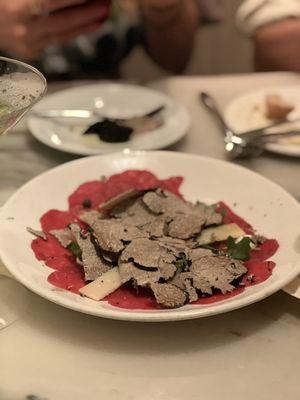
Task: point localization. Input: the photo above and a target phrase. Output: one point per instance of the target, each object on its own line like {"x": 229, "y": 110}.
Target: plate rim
{"x": 181, "y": 110}
{"x": 288, "y": 150}
{"x": 144, "y": 315}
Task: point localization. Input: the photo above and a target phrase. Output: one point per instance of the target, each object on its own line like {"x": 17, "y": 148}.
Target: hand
{"x": 27, "y": 28}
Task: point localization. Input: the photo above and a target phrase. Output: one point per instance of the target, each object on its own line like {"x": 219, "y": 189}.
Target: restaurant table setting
{"x": 57, "y": 345}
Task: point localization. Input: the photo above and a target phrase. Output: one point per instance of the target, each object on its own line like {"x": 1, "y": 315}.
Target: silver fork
{"x": 249, "y": 143}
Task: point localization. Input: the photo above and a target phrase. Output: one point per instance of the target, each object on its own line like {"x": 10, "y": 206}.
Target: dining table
{"x": 52, "y": 353}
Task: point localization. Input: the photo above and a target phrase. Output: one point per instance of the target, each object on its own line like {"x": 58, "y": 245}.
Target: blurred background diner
{"x": 135, "y": 39}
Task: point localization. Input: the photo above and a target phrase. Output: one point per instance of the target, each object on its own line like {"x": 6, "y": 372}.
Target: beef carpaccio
{"x": 132, "y": 239}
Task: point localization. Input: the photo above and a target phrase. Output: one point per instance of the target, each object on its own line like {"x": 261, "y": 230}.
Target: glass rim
{"x": 36, "y": 72}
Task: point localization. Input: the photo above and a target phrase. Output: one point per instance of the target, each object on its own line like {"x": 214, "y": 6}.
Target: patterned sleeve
{"x": 253, "y": 14}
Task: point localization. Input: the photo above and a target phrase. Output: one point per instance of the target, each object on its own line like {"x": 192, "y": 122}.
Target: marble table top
{"x": 56, "y": 354}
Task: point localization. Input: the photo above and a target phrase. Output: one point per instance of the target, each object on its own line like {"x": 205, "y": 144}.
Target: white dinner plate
{"x": 113, "y": 100}
{"x": 293, "y": 288}
{"x": 246, "y": 112}
{"x": 271, "y": 210}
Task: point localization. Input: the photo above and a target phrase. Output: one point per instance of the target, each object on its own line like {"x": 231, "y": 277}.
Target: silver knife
{"x": 64, "y": 113}
{"x": 77, "y": 113}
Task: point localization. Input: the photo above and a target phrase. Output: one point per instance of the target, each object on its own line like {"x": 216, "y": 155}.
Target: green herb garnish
{"x": 75, "y": 250}
{"x": 181, "y": 263}
{"x": 240, "y": 250}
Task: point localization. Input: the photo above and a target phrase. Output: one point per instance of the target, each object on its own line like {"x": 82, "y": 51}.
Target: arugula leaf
{"x": 181, "y": 263}
{"x": 240, "y": 250}
{"x": 75, "y": 250}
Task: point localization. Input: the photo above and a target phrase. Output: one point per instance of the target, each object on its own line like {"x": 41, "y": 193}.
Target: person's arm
{"x": 170, "y": 27}
{"x": 274, "y": 26}
{"x": 277, "y": 46}
{"x": 27, "y": 27}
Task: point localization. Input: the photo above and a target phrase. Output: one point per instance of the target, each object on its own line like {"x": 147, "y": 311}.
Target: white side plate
{"x": 112, "y": 100}
{"x": 246, "y": 112}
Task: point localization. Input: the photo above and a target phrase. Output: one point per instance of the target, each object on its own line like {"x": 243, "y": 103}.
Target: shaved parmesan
{"x": 220, "y": 233}
{"x": 102, "y": 286}
{"x": 128, "y": 194}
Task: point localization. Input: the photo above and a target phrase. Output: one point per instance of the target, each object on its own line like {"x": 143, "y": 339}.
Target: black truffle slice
{"x": 118, "y": 200}
{"x": 93, "y": 263}
{"x": 90, "y": 217}
{"x": 216, "y": 272}
{"x": 110, "y": 131}
{"x": 168, "y": 295}
{"x": 184, "y": 282}
{"x": 64, "y": 236}
{"x": 185, "y": 226}
{"x": 142, "y": 277}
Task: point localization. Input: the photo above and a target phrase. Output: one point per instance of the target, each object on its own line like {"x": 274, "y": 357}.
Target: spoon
{"x": 248, "y": 143}
{"x": 235, "y": 145}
